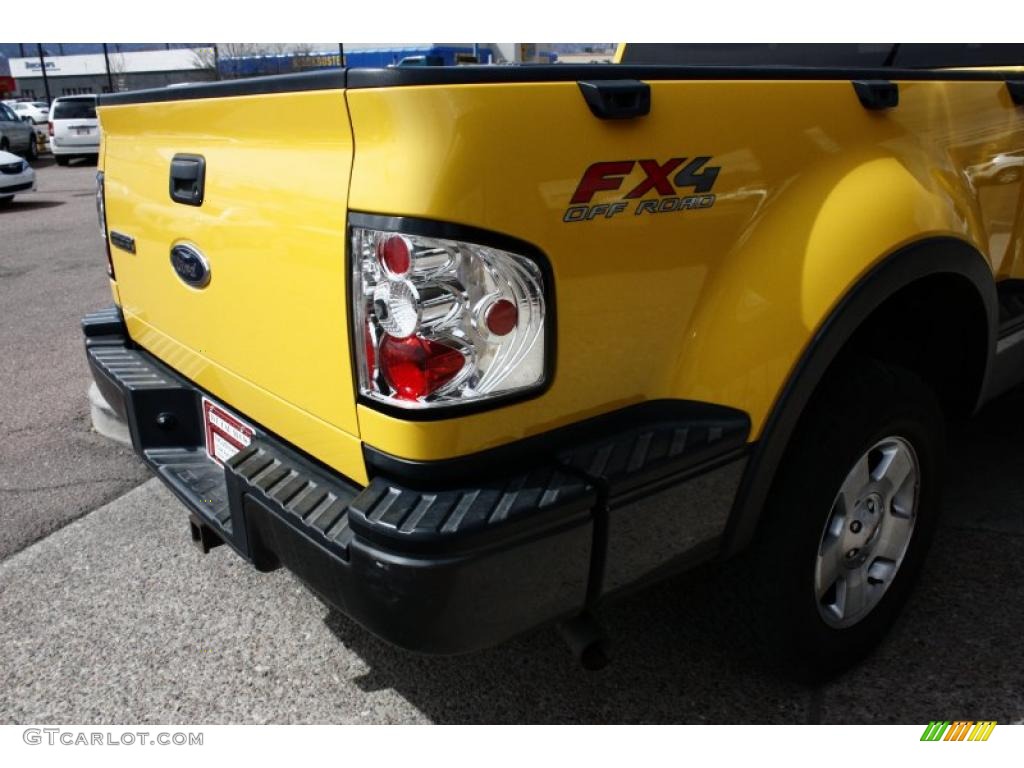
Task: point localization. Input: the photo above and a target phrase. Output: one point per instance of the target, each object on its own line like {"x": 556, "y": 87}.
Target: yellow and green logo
{"x": 958, "y": 730}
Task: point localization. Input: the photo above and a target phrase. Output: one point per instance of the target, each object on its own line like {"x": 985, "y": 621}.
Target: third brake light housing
{"x": 441, "y": 322}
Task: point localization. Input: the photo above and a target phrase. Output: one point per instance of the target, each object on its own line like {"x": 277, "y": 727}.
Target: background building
{"x": 251, "y": 60}
{"x": 76, "y": 68}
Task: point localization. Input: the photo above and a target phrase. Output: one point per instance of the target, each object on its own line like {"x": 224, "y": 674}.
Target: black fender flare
{"x": 920, "y": 259}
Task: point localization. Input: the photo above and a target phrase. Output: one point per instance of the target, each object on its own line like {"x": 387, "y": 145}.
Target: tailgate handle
{"x": 616, "y": 99}
{"x": 188, "y": 179}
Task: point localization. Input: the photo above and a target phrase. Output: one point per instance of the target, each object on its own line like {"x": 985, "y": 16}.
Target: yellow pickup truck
{"x": 473, "y": 350}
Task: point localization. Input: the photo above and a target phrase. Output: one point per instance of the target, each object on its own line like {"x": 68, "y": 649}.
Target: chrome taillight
{"x": 101, "y": 214}
{"x": 440, "y": 322}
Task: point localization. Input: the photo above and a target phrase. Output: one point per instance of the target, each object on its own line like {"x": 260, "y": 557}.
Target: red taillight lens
{"x": 501, "y": 317}
{"x": 394, "y": 255}
{"x": 50, "y": 129}
{"x": 416, "y": 367}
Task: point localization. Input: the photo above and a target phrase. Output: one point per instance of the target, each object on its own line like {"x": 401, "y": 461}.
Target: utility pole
{"x": 42, "y": 65}
{"x": 216, "y": 62}
{"x": 106, "y": 60}
{"x": 341, "y": 55}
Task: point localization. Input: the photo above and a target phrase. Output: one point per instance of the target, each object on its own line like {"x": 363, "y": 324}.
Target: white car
{"x": 74, "y": 128}
{"x": 16, "y": 176}
{"x": 1004, "y": 168}
{"x": 36, "y": 111}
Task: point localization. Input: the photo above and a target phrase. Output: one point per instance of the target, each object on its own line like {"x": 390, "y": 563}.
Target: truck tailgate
{"x": 268, "y": 333}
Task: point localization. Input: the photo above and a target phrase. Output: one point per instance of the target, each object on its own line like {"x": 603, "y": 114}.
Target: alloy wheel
{"x": 868, "y": 532}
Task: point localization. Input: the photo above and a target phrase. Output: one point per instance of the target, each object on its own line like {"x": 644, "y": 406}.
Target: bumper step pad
{"x": 193, "y": 476}
{"x": 411, "y": 520}
{"x": 646, "y": 453}
{"x": 308, "y": 500}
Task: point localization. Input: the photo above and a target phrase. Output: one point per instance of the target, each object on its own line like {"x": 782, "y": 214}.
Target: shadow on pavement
{"x": 47, "y": 161}
{"x": 680, "y": 653}
{"x": 20, "y": 204}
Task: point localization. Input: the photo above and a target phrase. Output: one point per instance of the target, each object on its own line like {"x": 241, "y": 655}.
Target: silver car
{"x": 16, "y": 135}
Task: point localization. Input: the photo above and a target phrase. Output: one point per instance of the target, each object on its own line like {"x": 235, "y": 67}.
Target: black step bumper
{"x": 450, "y": 560}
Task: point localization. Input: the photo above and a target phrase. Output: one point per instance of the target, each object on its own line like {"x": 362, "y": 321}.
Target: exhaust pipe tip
{"x": 587, "y": 641}
{"x": 594, "y": 657}
{"x": 203, "y": 536}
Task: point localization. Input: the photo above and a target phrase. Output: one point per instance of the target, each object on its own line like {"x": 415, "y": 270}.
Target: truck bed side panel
{"x": 712, "y": 303}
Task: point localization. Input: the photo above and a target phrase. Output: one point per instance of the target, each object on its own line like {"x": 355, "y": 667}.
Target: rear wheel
{"x": 4, "y": 146}
{"x": 868, "y": 532}
{"x": 33, "y": 148}
{"x": 849, "y": 519}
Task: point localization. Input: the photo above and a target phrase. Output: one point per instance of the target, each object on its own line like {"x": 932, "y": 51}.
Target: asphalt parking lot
{"x": 108, "y": 614}
{"x": 53, "y": 467}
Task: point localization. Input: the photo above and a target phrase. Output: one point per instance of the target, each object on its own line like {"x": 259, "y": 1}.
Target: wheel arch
{"x": 954, "y": 264}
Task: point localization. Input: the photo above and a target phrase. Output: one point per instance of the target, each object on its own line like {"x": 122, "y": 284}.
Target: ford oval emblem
{"x": 191, "y": 266}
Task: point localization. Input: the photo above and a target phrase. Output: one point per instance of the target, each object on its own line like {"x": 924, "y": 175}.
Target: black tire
{"x": 863, "y": 402}
{"x": 32, "y": 153}
{"x": 62, "y": 159}
{"x": 4, "y": 146}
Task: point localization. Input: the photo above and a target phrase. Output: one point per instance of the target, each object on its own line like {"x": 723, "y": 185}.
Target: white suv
{"x": 74, "y": 129}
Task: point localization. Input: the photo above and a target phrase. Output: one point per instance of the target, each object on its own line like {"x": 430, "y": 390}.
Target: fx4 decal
{"x": 666, "y": 179}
